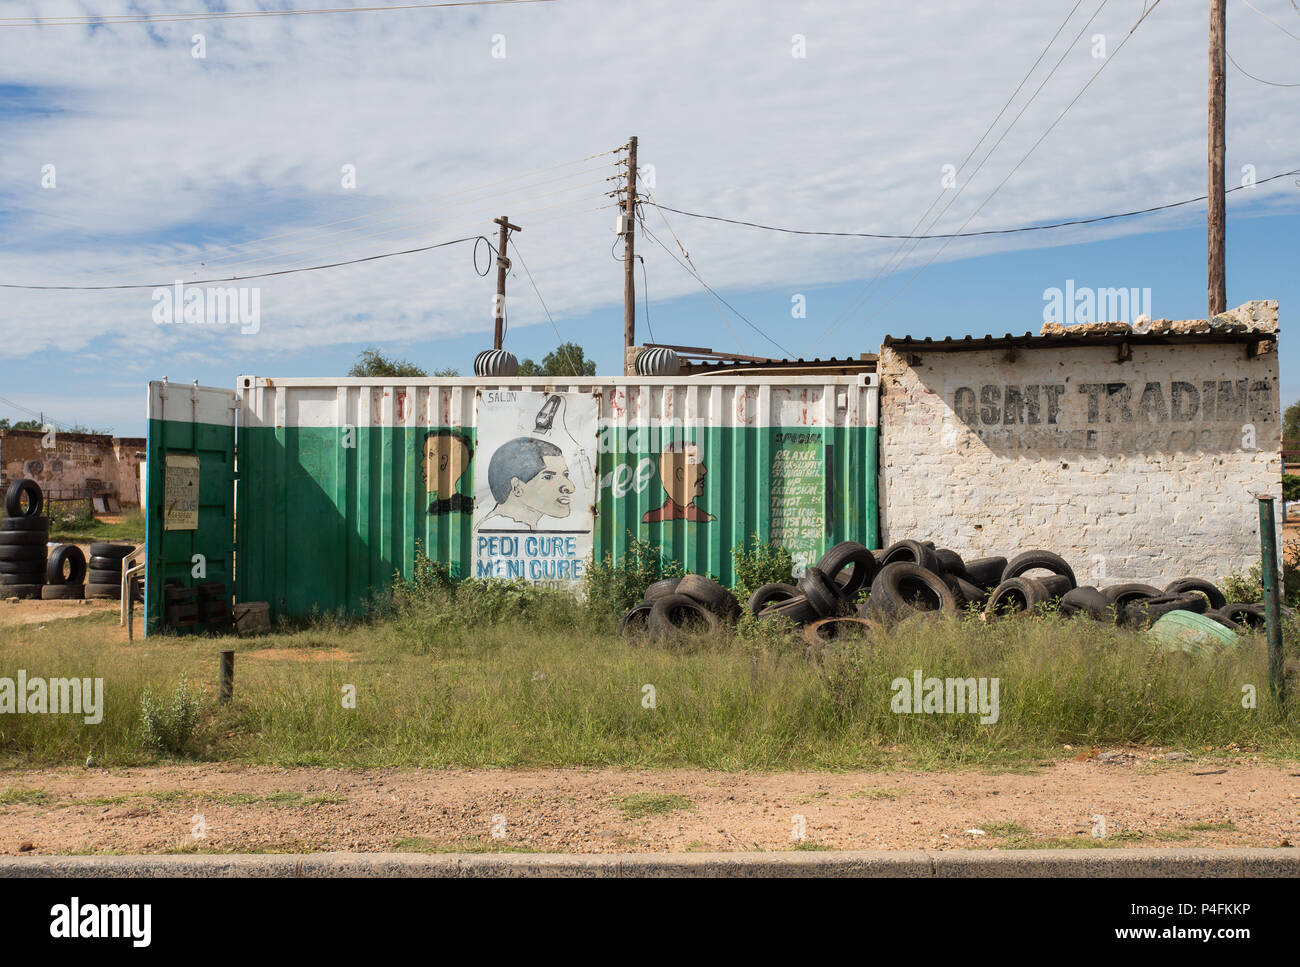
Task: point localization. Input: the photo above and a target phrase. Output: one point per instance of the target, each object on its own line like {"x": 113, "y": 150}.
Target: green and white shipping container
{"x": 340, "y": 482}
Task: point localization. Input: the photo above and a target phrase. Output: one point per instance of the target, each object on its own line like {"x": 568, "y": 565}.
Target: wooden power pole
{"x": 503, "y": 265}
{"x": 1216, "y": 221}
{"x": 629, "y": 254}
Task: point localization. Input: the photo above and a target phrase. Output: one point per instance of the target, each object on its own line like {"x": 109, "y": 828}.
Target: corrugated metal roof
{"x": 1030, "y": 341}
{"x": 866, "y": 363}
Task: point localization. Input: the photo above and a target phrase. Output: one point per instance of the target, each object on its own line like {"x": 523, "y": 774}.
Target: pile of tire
{"x": 824, "y": 598}
{"x": 24, "y": 536}
{"x": 1137, "y": 605}
{"x": 692, "y": 604}
{"x": 104, "y": 574}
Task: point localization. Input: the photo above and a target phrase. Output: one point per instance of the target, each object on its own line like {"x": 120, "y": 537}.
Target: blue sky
{"x": 171, "y": 166}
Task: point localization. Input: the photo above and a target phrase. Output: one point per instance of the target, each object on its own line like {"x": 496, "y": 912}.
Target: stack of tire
{"x": 824, "y": 598}
{"x": 693, "y": 604}
{"x": 24, "y": 535}
{"x": 1137, "y": 605}
{"x": 104, "y": 575}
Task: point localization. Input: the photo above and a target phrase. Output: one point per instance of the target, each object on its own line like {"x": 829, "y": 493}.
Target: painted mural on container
{"x": 534, "y": 485}
{"x": 448, "y": 456}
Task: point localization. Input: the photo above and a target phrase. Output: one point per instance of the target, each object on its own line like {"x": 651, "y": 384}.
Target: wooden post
{"x": 227, "y": 687}
{"x": 503, "y": 265}
{"x": 1216, "y": 221}
{"x": 629, "y": 255}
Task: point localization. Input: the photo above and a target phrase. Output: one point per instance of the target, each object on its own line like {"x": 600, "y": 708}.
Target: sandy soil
{"x": 16, "y": 612}
{"x": 1146, "y": 800}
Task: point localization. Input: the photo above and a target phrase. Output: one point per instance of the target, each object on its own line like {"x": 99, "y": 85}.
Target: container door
{"x": 189, "y": 494}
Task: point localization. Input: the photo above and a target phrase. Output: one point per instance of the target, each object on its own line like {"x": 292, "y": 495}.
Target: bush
{"x": 171, "y": 727}
{"x": 762, "y": 562}
{"x": 1291, "y": 486}
{"x": 611, "y": 588}
{"x": 1247, "y": 587}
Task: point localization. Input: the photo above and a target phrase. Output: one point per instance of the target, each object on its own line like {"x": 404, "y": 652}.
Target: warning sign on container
{"x": 181, "y": 492}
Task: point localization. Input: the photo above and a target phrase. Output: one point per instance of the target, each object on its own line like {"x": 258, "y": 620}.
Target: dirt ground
{"x": 1145, "y": 799}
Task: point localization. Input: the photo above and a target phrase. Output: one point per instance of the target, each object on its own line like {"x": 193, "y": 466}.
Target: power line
{"x": 1050, "y": 128}
{"x": 243, "y": 278}
{"x": 95, "y": 20}
{"x": 1270, "y": 20}
{"x": 879, "y": 276}
{"x": 991, "y": 231}
{"x": 1253, "y": 77}
{"x": 654, "y": 238}
{"x": 577, "y": 370}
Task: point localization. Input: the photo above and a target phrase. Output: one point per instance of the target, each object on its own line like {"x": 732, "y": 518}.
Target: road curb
{"x": 1182, "y": 863}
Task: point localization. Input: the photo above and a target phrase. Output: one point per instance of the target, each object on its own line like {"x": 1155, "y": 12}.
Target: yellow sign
{"x": 181, "y": 492}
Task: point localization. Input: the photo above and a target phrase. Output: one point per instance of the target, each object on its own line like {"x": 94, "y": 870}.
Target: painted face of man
{"x": 550, "y": 492}
{"x": 445, "y": 460}
{"x": 683, "y": 474}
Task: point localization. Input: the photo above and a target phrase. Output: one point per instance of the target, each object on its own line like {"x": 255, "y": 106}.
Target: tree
{"x": 372, "y": 362}
{"x": 20, "y": 425}
{"x": 1291, "y": 422}
{"x": 568, "y": 359}
{"x": 449, "y": 371}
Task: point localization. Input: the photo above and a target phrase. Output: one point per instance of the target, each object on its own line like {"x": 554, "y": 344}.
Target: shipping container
{"x": 341, "y": 482}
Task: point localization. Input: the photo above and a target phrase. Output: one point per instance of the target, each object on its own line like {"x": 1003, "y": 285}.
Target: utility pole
{"x": 1216, "y": 221}
{"x": 503, "y": 265}
{"x": 629, "y": 255}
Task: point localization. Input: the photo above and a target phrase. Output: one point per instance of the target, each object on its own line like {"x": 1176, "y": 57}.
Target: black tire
{"x": 950, "y": 562}
{"x": 35, "y": 566}
{"x": 796, "y": 609}
{"x": 966, "y": 593}
{"x": 1213, "y": 595}
{"x": 904, "y": 588}
{"x": 1016, "y": 594}
{"x": 96, "y": 576}
{"x": 910, "y": 552}
{"x": 677, "y": 614}
{"x": 104, "y": 592}
{"x": 1122, "y": 595}
{"x": 770, "y": 594}
{"x": 1145, "y": 612}
{"x": 826, "y": 597}
{"x": 22, "y": 577}
{"x": 69, "y": 554}
{"x": 661, "y": 589}
{"x": 14, "y": 498}
{"x": 1087, "y": 600}
{"x": 22, "y": 552}
{"x": 1057, "y": 584}
{"x": 23, "y": 538}
{"x": 826, "y": 630}
{"x": 9, "y": 525}
{"x": 634, "y": 622}
{"x": 1244, "y": 615}
{"x": 710, "y": 594}
{"x": 850, "y": 565}
{"x": 100, "y": 563}
{"x": 1022, "y": 564}
{"x": 63, "y": 592}
{"x": 986, "y": 572}
{"x": 23, "y": 591}
{"x": 111, "y": 550}
{"x": 1224, "y": 620}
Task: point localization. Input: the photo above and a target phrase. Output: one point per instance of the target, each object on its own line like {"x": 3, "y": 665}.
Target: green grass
{"x": 130, "y": 530}
{"x": 529, "y": 679}
{"x": 639, "y": 805}
{"x": 27, "y": 797}
{"x": 470, "y": 844}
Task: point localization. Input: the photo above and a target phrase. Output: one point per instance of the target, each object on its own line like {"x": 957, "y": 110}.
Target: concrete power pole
{"x": 1216, "y": 221}
{"x": 629, "y": 255}
{"x": 503, "y": 265}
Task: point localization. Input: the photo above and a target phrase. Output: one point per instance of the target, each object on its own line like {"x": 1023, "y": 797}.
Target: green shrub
{"x": 611, "y": 587}
{"x": 1291, "y": 486}
{"x": 1247, "y": 587}
{"x": 171, "y": 727}
{"x": 762, "y": 562}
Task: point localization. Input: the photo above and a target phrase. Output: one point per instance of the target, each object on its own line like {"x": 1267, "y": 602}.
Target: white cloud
{"x": 156, "y": 151}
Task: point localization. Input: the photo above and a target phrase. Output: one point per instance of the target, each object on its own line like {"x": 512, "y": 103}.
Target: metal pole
{"x": 227, "y": 677}
{"x": 1272, "y": 599}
